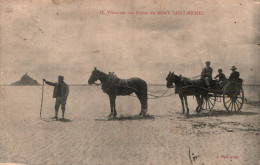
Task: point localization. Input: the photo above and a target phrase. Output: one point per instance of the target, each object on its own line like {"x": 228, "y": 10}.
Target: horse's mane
{"x": 183, "y": 80}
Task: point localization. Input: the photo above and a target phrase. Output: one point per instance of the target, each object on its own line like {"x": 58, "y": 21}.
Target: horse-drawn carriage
{"x": 231, "y": 91}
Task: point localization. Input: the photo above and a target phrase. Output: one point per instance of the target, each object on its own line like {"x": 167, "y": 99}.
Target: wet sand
{"x": 87, "y": 136}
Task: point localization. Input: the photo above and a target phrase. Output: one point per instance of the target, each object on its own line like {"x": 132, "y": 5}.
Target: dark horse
{"x": 186, "y": 87}
{"x": 115, "y": 86}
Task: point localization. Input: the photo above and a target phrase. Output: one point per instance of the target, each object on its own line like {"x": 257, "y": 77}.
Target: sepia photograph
{"x": 112, "y": 82}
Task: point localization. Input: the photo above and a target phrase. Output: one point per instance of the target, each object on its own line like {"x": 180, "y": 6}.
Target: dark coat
{"x": 221, "y": 77}
{"x": 64, "y": 89}
{"x": 207, "y": 72}
{"x": 234, "y": 76}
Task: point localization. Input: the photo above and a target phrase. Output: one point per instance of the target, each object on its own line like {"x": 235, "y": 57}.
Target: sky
{"x": 47, "y": 38}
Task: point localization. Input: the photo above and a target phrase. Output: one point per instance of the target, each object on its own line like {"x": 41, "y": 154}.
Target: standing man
{"x": 61, "y": 92}
{"x": 234, "y": 76}
{"x": 206, "y": 74}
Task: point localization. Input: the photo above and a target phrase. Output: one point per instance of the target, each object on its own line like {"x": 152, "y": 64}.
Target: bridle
{"x": 98, "y": 79}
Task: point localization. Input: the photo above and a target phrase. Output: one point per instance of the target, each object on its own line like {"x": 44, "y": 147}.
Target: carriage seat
{"x": 238, "y": 80}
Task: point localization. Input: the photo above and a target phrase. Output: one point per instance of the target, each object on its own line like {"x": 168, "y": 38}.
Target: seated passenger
{"x": 221, "y": 78}
{"x": 234, "y": 76}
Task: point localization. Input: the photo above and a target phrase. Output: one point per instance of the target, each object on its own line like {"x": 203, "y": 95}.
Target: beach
{"x": 88, "y": 136}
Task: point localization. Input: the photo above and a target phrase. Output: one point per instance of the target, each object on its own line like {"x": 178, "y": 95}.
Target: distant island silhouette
{"x": 26, "y": 80}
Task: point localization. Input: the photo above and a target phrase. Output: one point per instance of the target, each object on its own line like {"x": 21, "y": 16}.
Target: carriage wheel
{"x": 208, "y": 102}
{"x": 233, "y": 97}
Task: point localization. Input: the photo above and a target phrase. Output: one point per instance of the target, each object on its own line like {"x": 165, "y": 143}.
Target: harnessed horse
{"x": 115, "y": 86}
{"x": 185, "y": 87}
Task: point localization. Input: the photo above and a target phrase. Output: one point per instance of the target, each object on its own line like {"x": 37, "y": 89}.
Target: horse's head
{"x": 171, "y": 78}
{"x": 94, "y": 76}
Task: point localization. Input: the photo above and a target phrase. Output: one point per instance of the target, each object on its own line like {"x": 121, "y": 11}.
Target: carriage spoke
{"x": 235, "y": 103}
{"x": 206, "y": 105}
{"x": 235, "y": 107}
{"x": 212, "y": 99}
{"x": 232, "y": 106}
{"x": 229, "y": 105}
{"x": 211, "y": 103}
{"x": 239, "y": 102}
{"x": 228, "y": 101}
{"x": 238, "y": 105}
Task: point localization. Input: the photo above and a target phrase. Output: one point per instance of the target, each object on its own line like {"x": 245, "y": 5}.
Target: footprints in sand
{"x": 217, "y": 127}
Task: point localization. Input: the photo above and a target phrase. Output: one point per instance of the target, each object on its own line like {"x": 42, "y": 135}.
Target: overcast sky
{"x": 66, "y": 37}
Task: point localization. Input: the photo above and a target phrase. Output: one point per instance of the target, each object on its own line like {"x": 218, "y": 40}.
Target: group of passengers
{"x": 206, "y": 75}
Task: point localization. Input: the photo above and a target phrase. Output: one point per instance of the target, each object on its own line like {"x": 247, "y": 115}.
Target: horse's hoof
{"x": 140, "y": 114}
{"x": 198, "y": 109}
{"x": 145, "y": 115}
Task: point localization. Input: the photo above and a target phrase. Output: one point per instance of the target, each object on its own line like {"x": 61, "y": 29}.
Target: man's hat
{"x": 207, "y": 61}
{"x": 61, "y": 77}
{"x": 233, "y": 68}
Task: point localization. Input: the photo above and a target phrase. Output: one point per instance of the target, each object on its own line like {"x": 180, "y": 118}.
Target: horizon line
{"x": 93, "y": 85}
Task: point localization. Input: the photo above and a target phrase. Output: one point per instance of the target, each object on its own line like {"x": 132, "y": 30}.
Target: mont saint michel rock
{"x": 26, "y": 80}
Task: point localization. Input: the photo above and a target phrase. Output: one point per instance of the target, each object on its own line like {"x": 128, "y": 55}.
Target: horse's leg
{"x": 182, "y": 103}
{"x": 112, "y": 99}
{"x": 199, "y": 107}
{"x": 186, "y": 103}
{"x": 111, "y": 107}
{"x": 114, "y": 106}
{"x": 143, "y": 100}
{"x": 198, "y": 99}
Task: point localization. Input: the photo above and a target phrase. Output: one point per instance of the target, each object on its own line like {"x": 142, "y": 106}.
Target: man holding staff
{"x": 61, "y": 92}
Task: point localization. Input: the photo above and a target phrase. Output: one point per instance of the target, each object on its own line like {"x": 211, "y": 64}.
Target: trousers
{"x": 60, "y": 101}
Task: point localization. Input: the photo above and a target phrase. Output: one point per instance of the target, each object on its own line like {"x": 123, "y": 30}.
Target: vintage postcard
{"x": 133, "y": 82}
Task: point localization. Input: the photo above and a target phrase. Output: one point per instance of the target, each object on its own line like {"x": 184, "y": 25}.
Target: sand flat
{"x": 87, "y": 136}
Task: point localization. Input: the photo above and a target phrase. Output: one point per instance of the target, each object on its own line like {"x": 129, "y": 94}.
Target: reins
{"x": 149, "y": 94}
{"x": 153, "y": 96}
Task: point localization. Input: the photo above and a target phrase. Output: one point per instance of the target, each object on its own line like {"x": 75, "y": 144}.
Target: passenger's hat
{"x": 233, "y": 68}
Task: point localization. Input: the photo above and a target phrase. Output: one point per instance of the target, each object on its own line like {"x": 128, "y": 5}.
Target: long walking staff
{"x": 42, "y": 98}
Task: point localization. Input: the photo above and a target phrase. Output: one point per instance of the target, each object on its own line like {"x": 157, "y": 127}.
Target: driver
{"x": 206, "y": 74}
